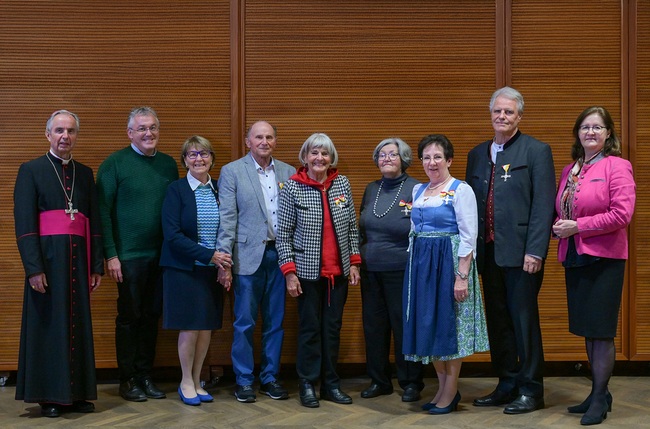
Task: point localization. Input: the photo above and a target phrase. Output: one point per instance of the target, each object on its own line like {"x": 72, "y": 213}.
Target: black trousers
{"x": 381, "y": 295}
{"x": 515, "y": 335}
{"x": 320, "y": 315}
{"x": 139, "y": 305}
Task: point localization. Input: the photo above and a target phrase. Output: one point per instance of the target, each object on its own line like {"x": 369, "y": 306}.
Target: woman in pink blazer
{"x": 594, "y": 205}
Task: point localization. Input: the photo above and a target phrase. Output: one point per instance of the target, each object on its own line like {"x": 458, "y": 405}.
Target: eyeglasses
{"x": 193, "y": 154}
{"x": 435, "y": 159}
{"x": 392, "y": 156}
{"x": 596, "y": 128}
{"x": 143, "y": 130}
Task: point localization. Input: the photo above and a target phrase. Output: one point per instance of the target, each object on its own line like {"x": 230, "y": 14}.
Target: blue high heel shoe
{"x": 205, "y": 398}
{"x": 428, "y": 406}
{"x": 188, "y": 401}
{"x": 449, "y": 408}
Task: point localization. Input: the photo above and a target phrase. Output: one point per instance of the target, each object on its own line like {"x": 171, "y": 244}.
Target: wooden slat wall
{"x": 362, "y": 71}
{"x": 561, "y": 68}
{"x": 640, "y": 296}
{"x": 358, "y": 70}
{"x": 99, "y": 60}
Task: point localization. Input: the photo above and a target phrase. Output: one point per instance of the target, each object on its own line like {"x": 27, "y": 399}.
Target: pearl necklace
{"x": 439, "y": 184}
{"x": 374, "y": 207}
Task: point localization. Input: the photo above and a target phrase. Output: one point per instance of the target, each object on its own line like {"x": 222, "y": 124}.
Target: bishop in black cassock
{"x": 59, "y": 239}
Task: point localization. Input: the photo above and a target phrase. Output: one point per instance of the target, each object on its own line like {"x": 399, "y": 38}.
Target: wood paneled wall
{"x": 358, "y": 70}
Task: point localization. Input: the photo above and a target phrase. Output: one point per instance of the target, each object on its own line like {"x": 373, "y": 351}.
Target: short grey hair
{"x": 48, "y": 125}
{"x": 318, "y": 140}
{"x": 404, "y": 150}
{"x": 142, "y": 111}
{"x": 510, "y": 94}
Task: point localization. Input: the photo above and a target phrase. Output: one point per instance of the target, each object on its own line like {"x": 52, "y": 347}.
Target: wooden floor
{"x": 630, "y": 409}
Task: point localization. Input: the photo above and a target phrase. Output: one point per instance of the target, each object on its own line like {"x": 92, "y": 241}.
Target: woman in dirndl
{"x": 444, "y": 320}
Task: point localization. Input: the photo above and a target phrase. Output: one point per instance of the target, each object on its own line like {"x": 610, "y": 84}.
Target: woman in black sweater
{"x": 385, "y": 222}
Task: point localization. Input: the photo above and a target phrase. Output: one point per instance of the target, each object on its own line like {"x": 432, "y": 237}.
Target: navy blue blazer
{"x": 180, "y": 246}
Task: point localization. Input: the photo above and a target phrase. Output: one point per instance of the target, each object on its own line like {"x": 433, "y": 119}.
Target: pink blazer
{"x": 603, "y": 206}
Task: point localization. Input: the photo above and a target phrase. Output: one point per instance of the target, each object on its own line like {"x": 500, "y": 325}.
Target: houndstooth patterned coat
{"x": 300, "y": 225}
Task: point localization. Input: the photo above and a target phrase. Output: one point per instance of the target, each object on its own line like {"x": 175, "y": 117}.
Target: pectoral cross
{"x": 70, "y": 210}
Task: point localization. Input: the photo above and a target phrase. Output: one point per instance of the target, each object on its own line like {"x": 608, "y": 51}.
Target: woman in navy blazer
{"x": 594, "y": 205}
{"x": 192, "y": 298}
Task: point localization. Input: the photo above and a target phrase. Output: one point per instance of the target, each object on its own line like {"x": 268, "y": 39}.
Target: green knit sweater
{"x": 131, "y": 189}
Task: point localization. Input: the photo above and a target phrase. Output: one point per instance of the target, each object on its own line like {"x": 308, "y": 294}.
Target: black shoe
{"x": 582, "y": 408}
{"x": 411, "y": 394}
{"x": 50, "y": 410}
{"x": 308, "y": 395}
{"x": 130, "y": 391}
{"x": 274, "y": 390}
{"x": 83, "y": 407}
{"x": 494, "y": 399}
{"x": 449, "y": 408}
{"x": 335, "y": 395}
{"x": 150, "y": 389}
{"x": 594, "y": 418}
{"x": 524, "y": 404}
{"x": 375, "y": 390}
{"x": 245, "y": 393}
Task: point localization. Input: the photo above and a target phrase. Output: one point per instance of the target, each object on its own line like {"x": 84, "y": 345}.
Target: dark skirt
{"x": 594, "y": 297}
{"x": 192, "y": 300}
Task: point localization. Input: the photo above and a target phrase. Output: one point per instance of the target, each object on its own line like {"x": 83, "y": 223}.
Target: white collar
{"x": 259, "y": 167}
{"x": 195, "y": 183}
{"x": 135, "y": 148}
{"x": 64, "y": 161}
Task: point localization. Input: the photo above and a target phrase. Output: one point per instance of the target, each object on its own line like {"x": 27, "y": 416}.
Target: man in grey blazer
{"x": 513, "y": 178}
{"x": 248, "y": 195}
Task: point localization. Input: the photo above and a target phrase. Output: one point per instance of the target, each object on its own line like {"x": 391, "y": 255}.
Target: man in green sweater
{"x": 131, "y": 184}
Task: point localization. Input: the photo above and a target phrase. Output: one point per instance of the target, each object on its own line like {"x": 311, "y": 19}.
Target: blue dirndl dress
{"x": 436, "y": 327}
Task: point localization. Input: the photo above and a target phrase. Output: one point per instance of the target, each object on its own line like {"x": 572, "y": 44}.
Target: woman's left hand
{"x": 354, "y": 275}
{"x": 564, "y": 228}
{"x": 222, "y": 260}
{"x": 461, "y": 291}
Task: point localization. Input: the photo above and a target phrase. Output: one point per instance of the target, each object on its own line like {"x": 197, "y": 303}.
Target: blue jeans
{"x": 263, "y": 291}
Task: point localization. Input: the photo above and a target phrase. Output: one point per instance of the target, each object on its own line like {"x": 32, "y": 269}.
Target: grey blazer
{"x": 243, "y": 225}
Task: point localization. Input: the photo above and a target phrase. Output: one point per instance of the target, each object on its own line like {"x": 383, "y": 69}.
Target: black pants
{"x": 512, "y": 315}
{"x": 381, "y": 294}
{"x": 139, "y": 305}
{"x": 320, "y": 315}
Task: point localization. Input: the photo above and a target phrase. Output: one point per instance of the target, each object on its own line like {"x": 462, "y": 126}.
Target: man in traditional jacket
{"x": 59, "y": 239}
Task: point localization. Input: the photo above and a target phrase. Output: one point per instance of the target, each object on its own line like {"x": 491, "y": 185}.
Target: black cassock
{"x": 57, "y": 360}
